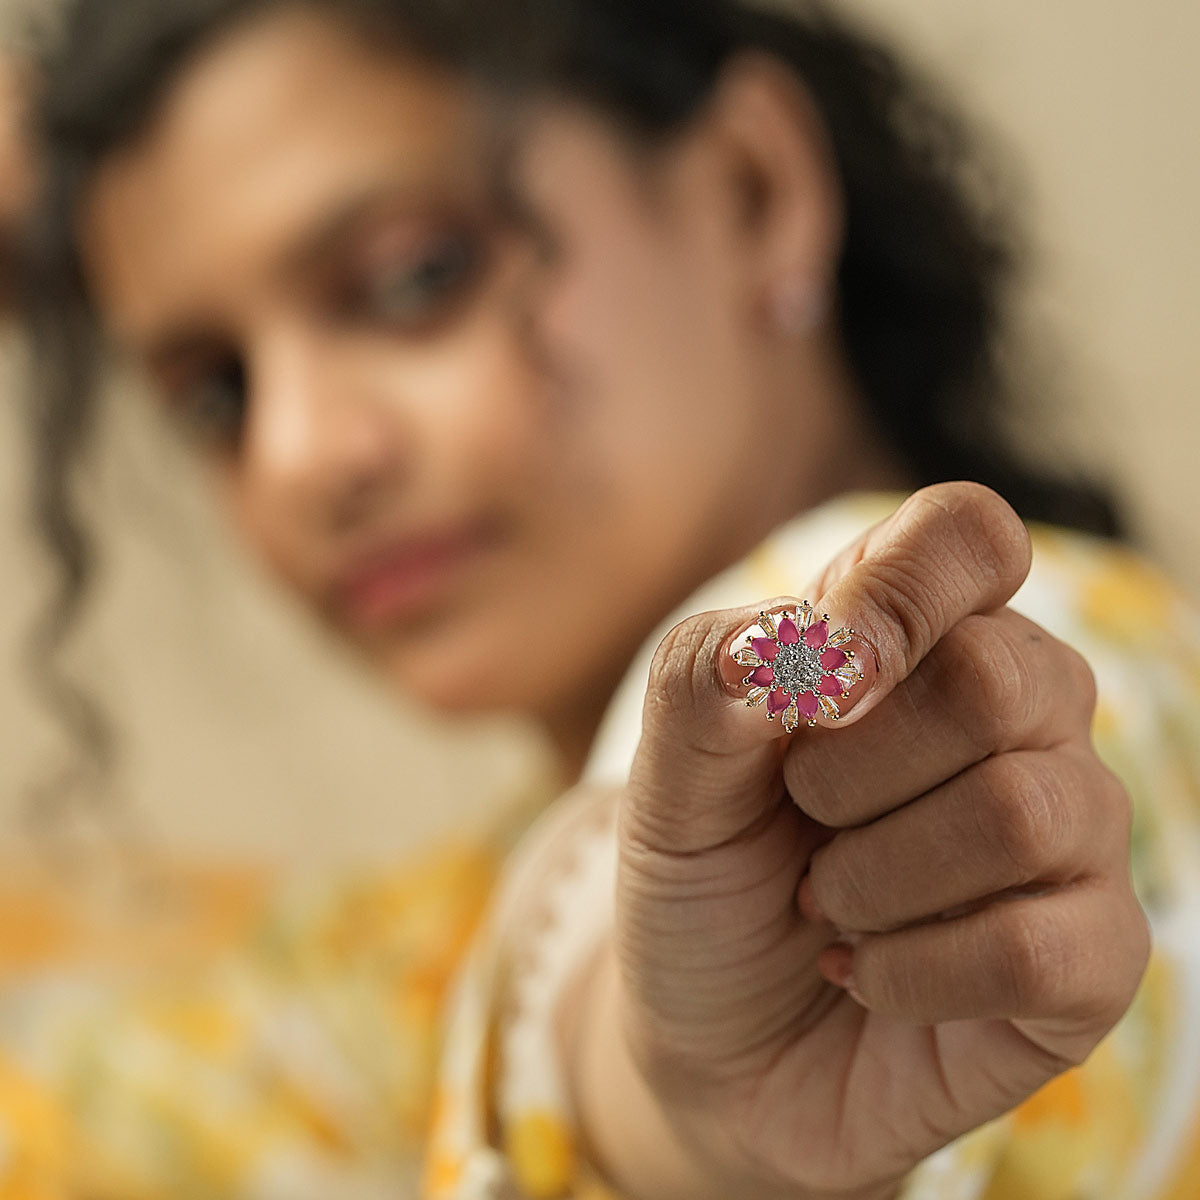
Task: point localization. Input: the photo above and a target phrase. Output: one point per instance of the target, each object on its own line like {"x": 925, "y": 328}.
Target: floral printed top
{"x": 246, "y": 1037}
{"x": 1124, "y": 1126}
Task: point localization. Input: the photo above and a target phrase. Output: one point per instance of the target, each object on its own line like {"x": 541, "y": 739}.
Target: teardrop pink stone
{"x": 789, "y": 635}
{"x": 806, "y": 705}
{"x": 815, "y": 634}
{"x": 777, "y": 701}
{"x": 762, "y": 676}
{"x": 833, "y": 658}
{"x": 829, "y": 686}
{"x": 766, "y": 648}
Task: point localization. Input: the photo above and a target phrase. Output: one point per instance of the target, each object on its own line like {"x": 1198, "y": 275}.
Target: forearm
{"x": 624, "y": 1128}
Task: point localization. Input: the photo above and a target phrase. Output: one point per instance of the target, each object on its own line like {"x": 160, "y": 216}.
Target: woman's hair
{"x": 929, "y": 253}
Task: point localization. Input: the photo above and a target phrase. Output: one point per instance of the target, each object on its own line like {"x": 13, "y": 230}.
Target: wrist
{"x": 625, "y": 1129}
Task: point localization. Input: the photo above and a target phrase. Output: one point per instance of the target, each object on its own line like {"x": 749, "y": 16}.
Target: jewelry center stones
{"x": 798, "y": 668}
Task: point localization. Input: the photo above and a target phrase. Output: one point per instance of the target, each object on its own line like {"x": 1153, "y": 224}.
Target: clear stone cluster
{"x": 798, "y": 668}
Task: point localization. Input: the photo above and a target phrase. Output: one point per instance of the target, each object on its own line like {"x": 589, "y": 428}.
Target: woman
{"x": 495, "y": 410}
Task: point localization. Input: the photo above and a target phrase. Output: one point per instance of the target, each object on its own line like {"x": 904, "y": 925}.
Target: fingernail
{"x": 851, "y": 990}
{"x": 797, "y": 667}
{"x": 836, "y": 963}
{"x": 807, "y": 902}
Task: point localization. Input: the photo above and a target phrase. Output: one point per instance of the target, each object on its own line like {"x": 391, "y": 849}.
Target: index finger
{"x": 949, "y": 551}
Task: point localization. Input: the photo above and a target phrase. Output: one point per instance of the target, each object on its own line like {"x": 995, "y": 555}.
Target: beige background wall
{"x": 242, "y": 729}
{"x": 1101, "y": 101}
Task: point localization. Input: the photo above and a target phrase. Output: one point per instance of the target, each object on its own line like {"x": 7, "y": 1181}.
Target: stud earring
{"x": 798, "y": 306}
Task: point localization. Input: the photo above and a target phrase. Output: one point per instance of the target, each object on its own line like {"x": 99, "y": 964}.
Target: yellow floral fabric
{"x": 212, "y": 1032}
{"x": 1124, "y": 1126}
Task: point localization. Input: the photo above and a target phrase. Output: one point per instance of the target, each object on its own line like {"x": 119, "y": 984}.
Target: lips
{"x": 399, "y": 581}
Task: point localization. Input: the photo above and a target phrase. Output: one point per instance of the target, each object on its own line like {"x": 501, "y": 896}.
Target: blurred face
{"x": 490, "y": 472}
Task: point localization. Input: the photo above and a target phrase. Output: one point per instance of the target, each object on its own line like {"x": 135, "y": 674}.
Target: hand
{"x": 838, "y": 951}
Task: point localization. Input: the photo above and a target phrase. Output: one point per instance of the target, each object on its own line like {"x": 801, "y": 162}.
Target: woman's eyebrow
{"x": 334, "y": 227}
{"x": 177, "y": 336}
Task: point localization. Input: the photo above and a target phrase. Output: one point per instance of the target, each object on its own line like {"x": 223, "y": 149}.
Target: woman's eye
{"x": 211, "y": 404}
{"x": 417, "y": 291}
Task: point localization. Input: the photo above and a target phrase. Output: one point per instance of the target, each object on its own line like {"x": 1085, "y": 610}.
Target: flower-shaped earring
{"x": 798, "y": 667}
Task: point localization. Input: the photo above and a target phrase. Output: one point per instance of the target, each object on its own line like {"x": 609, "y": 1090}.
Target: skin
{"x": 615, "y": 411}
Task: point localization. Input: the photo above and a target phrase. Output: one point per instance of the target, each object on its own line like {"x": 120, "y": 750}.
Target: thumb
{"x": 708, "y": 766}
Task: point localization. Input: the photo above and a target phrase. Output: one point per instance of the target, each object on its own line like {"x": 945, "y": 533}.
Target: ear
{"x": 785, "y": 192}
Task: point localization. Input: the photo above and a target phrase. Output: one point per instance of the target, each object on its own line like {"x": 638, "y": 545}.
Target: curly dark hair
{"x": 924, "y": 280}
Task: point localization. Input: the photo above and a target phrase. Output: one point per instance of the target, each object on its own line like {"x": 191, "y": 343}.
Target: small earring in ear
{"x": 798, "y": 306}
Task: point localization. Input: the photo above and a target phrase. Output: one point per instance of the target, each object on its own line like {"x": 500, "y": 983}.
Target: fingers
{"x": 1026, "y": 818}
{"x": 949, "y": 551}
{"x": 991, "y": 684}
{"x": 1073, "y": 957}
{"x": 1003, "y": 893}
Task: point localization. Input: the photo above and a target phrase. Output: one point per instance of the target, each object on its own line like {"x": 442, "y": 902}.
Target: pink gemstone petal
{"x": 766, "y": 648}
{"x": 777, "y": 701}
{"x": 789, "y": 635}
{"x": 829, "y": 686}
{"x": 815, "y": 634}
{"x": 806, "y": 705}
{"x": 762, "y": 676}
{"x": 832, "y": 659}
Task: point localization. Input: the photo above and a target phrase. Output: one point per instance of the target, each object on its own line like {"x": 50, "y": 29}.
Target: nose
{"x": 322, "y": 448}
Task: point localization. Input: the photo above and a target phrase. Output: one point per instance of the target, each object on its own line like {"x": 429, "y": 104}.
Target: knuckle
{"x": 1118, "y": 974}
{"x": 1124, "y": 977}
{"x": 1022, "y": 817}
{"x": 978, "y": 528}
{"x": 1107, "y": 820}
{"x": 814, "y": 775}
{"x": 678, "y": 646}
{"x": 1118, "y": 805}
{"x": 1142, "y": 938}
{"x": 1030, "y": 960}
{"x": 849, "y": 898}
{"x": 1083, "y": 681}
{"x": 1110, "y": 804}
{"x": 1007, "y": 684}
{"x": 898, "y": 592}
{"x": 1072, "y": 679}
{"x": 986, "y": 685}
{"x": 671, "y": 692}
{"x": 1110, "y": 978}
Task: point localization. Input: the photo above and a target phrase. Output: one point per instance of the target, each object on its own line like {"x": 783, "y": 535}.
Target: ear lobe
{"x": 798, "y": 306}
{"x": 781, "y": 166}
